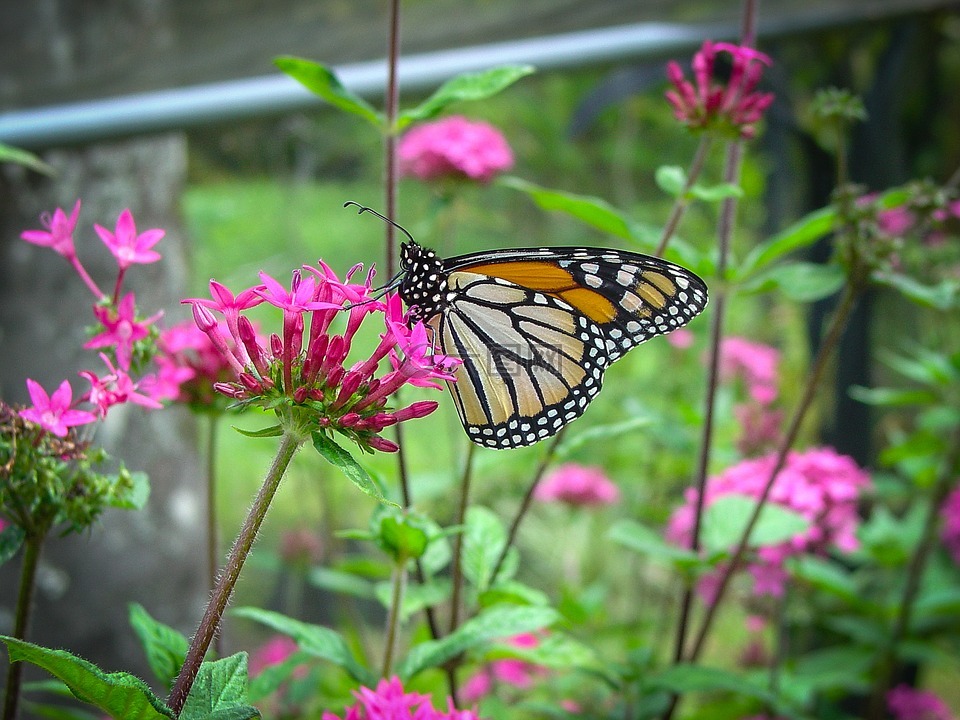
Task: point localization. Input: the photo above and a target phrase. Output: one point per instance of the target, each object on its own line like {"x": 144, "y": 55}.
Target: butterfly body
{"x": 536, "y": 328}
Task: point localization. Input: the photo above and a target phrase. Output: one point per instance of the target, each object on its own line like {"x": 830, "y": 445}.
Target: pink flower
{"x": 304, "y": 365}
{"x": 907, "y": 703}
{"x": 117, "y": 388}
{"x": 127, "y": 246}
{"x": 273, "y": 652}
{"x": 53, "y": 412}
{"x": 681, "y": 339}
{"x": 59, "y": 233}
{"x": 454, "y": 147}
{"x": 511, "y": 671}
{"x": 819, "y": 484}
{"x": 188, "y": 366}
{"x": 760, "y": 427}
{"x": 121, "y": 329}
{"x": 756, "y": 363}
{"x": 4, "y": 524}
{"x": 577, "y": 485}
{"x": 301, "y": 547}
{"x": 732, "y": 106}
{"x": 950, "y": 534}
{"x": 390, "y": 702}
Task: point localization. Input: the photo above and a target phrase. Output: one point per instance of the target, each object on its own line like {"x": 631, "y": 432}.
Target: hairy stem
{"x": 393, "y": 617}
{"x": 289, "y": 443}
{"x": 32, "y": 546}
{"x": 213, "y": 549}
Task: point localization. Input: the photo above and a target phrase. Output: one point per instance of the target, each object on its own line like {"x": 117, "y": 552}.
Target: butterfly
{"x": 535, "y": 329}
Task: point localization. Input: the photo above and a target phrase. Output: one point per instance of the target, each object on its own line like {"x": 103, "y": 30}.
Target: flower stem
{"x": 213, "y": 550}
{"x": 683, "y": 201}
{"x": 837, "y": 325}
{"x": 911, "y": 587}
{"x": 391, "y": 105}
{"x": 525, "y": 504}
{"x": 393, "y": 617}
{"x": 32, "y": 546}
{"x": 289, "y": 443}
{"x": 724, "y": 233}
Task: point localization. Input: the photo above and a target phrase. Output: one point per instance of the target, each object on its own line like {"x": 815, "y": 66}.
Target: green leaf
{"x": 556, "y": 650}
{"x": 892, "y": 397}
{"x": 595, "y": 212}
{"x": 336, "y": 455}
{"x": 272, "y": 431}
{"x": 416, "y": 597}
{"x": 134, "y": 491}
{"x": 942, "y": 296}
{"x": 601, "y": 432}
{"x": 315, "y": 640}
{"x": 716, "y": 193}
{"x": 272, "y": 677}
{"x": 726, "y": 518}
{"x": 400, "y": 536}
{"x": 165, "y": 647}
{"x": 322, "y": 81}
{"x": 801, "y": 234}
{"x": 512, "y": 591}
{"x": 927, "y": 367}
{"x": 27, "y": 159}
{"x": 800, "y": 281}
{"x": 825, "y": 575}
{"x": 681, "y": 679}
{"x": 835, "y": 668}
{"x": 484, "y": 538}
{"x": 10, "y": 541}
{"x": 642, "y": 539}
{"x": 496, "y": 622}
{"x": 671, "y": 179}
{"x": 341, "y": 582}
{"x": 468, "y": 86}
{"x": 220, "y": 692}
{"x": 119, "y": 694}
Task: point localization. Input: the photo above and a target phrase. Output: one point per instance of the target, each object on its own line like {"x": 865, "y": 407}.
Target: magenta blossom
{"x": 116, "y": 388}
{"x": 732, "y": 107}
{"x": 454, "y": 147}
{"x": 756, "y": 363}
{"x": 681, "y": 339}
{"x": 188, "y": 366}
{"x": 127, "y": 246}
{"x": 303, "y": 373}
{"x": 509, "y": 671}
{"x": 907, "y": 703}
{"x": 950, "y": 534}
{"x": 577, "y": 485}
{"x": 59, "y": 233}
{"x": 818, "y": 484}
{"x": 390, "y": 702}
{"x": 53, "y": 412}
{"x": 122, "y": 329}
{"x": 273, "y": 652}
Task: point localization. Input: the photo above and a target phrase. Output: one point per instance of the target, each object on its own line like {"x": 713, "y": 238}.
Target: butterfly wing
{"x": 536, "y": 329}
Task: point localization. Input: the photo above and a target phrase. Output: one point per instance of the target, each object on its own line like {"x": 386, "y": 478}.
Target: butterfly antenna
{"x": 361, "y": 209}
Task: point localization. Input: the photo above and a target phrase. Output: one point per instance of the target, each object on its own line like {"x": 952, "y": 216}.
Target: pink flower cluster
{"x": 300, "y": 373}
{"x": 819, "y": 484}
{"x": 273, "y": 652}
{"x": 124, "y": 336}
{"x": 899, "y": 221}
{"x": 950, "y": 533}
{"x": 577, "y": 485}
{"x": 511, "y": 671}
{"x": 907, "y": 703}
{"x": 188, "y": 366}
{"x": 454, "y": 148}
{"x": 757, "y": 365}
{"x": 732, "y": 106}
{"x": 390, "y": 702}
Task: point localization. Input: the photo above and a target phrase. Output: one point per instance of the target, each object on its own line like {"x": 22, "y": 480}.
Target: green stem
{"x": 32, "y": 546}
{"x": 393, "y": 617}
{"x": 911, "y": 587}
{"x": 527, "y": 499}
{"x": 213, "y": 551}
{"x": 683, "y": 201}
{"x": 456, "y": 570}
{"x": 289, "y": 444}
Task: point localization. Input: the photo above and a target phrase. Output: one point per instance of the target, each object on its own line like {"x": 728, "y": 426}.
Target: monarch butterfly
{"x": 535, "y": 329}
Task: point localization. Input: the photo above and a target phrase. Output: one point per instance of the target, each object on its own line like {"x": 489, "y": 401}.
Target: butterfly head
{"x": 424, "y": 282}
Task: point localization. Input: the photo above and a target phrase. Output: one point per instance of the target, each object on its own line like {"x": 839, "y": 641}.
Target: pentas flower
{"x": 950, "y": 534}
{"x": 273, "y": 652}
{"x": 54, "y": 412}
{"x": 390, "y": 702}
{"x": 907, "y": 703}
{"x": 116, "y": 388}
{"x": 819, "y": 484}
{"x": 577, "y": 485}
{"x": 59, "y": 233}
{"x": 188, "y": 366}
{"x": 756, "y": 363}
{"x": 454, "y": 147}
{"x": 302, "y": 372}
{"x": 121, "y": 329}
{"x": 126, "y": 245}
{"x": 732, "y": 106}
{"x": 760, "y": 427}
